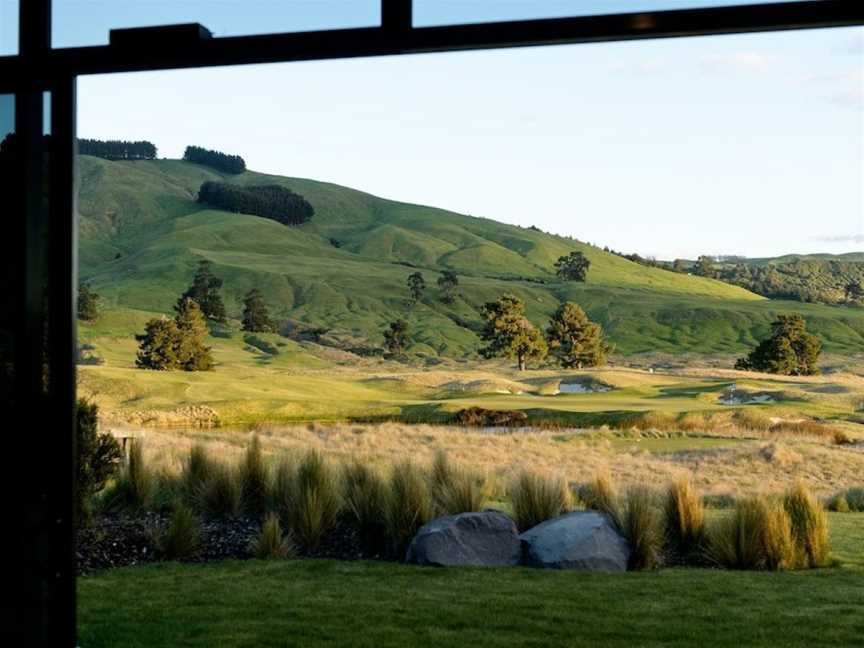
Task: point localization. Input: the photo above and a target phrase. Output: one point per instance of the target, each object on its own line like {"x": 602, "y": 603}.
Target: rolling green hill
{"x": 142, "y": 234}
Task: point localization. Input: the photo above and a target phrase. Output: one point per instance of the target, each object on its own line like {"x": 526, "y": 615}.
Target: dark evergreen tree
{"x": 574, "y": 340}
{"x": 573, "y": 267}
{"x": 790, "y": 350}
{"x": 396, "y": 338}
{"x": 447, "y": 283}
{"x": 268, "y": 201}
{"x": 416, "y": 286}
{"x": 509, "y": 334}
{"x": 256, "y": 318}
{"x": 192, "y": 352}
{"x": 158, "y": 346}
{"x": 205, "y": 291}
{"x": 88, "y": 303}
{"x": 214, "y": 159}
{"x": 117, "y": 150}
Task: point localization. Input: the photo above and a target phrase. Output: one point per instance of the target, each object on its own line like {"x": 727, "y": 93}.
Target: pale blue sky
{"x": 748, "y": 144}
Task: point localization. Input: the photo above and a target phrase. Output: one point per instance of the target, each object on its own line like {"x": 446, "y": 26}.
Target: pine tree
{"x": 256, "y": 318}
{"x": 416, "y": 286}
{"x": 88, "y": 303}
{"x": 205, "y": 291}
{"x": 790, "y": 350}
{"x": 572, "y": 267}
{"x": 192, "y": 353}
{"x": 158, "y": 346}
{"x": 447, "y": 282}
{"x": 396, "y": 338}
{"x": 574, "y": 340}
{"x": 509, "y": 334}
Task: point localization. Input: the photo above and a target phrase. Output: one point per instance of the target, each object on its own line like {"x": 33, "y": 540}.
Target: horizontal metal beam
{"x": 378, "y": 41}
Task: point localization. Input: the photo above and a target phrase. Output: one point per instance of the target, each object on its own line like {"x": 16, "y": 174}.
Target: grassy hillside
{"x": 142, "y": 234}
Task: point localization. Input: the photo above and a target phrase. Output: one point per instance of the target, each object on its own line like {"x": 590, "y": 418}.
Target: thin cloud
{"x": 851, "y": 238}
{"x": 638, "y": 68}
{"x": 751, "y": 62}
{"x": 846, "y": 90}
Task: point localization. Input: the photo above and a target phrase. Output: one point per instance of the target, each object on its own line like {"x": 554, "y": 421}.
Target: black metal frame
{"x": 45, "y": 611}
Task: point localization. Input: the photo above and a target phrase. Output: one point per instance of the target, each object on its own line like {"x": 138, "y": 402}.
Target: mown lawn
{"x": 330, "y": 603}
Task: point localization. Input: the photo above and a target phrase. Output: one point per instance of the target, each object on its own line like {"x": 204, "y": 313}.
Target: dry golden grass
{"x": 740, "y": 467}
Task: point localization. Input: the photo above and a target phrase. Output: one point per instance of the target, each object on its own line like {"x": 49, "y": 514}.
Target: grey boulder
{"x": 584, "y": 540}
{"x": 487, "y": 539}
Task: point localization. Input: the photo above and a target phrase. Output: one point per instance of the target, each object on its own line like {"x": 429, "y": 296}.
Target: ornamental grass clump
{"x": 309, "y": 497}
{"x": 536, "y": 498}
{"x": 365, "y": 496}
{"x": 221, "y": 495}
{"x": 409, "y": 506}
{"x": 254, "y": 478}
{"x": 182, "y": 538}
{"x": 641, "y": 524}
{"x": 134, "y": 488}
{"x": 684, "y": 523}
{"x": 809, "y": 527}
{"x": 270, "y": 543}
{"x": 454, "y": 489}
{"x": 599, "y": 495}
{"x": 197, "y": 471}
{"x": 756, "y": 535}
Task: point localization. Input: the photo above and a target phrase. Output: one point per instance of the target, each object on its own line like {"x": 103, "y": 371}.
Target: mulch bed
{"x": 122, "y": 540}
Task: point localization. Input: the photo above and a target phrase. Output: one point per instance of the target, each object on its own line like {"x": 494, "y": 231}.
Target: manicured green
{"x": 143, "y": 233}
{"x": 330, "y": 603}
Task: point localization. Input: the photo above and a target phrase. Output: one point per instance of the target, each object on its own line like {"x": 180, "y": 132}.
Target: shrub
{"x": 536, "y": 498}
{"x": 757, "y": 534}
{"x": 454, "y": 489}
{"x": 408, "y": 506}
{"x": 221, "y": 495}
{"x": 254, "y": 478}
{"x": 684, "y": 521}
{"x": 839, "y": 504}
{"x": 270, "y": 542}
{"x": 261, "y": 344}
{"x": 599, "y": 495}
{"x": 310, "y": 501}
{"x": 855, "y": 499}
{"x": 182, "y": 537}
{"x": 809, "y": 526}
{"x": 99, "y": 458}
{"x": 365, "y": 502}
{"x": 641, "y": 525}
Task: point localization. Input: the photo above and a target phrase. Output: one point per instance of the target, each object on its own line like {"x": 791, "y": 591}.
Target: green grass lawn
{"x": 331, "y": 603}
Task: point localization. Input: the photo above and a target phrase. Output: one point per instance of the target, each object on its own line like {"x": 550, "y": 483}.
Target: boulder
{"x": 584, "y": 540}
{"x": 487, "y": 539}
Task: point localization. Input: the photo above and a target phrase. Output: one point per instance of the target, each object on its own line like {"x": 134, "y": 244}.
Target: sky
{"x": 746, "y": 144}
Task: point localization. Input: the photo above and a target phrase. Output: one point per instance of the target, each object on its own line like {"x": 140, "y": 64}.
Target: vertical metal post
{"x": 42, "y": 574}
{"x": 397, "y": 15}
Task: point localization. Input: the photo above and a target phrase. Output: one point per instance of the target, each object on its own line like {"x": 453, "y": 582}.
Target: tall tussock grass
{"x": 640, "y": 523}
{"x": 408, "y": 506}
{"x": 221, "y": 494}
{"x": 599, "y": 495}
{"x": 254, "y": 478}
{"x": 454, "y": 489}
{"x": 365, "y": 494}
{"x": 536, "y": 498}
{"x": 134, "y": 488}
{"x": 757, "y": 535}
{"x": 308, "y": 495}
{"x": 271, "y": 543}
{"x": 182, "y": 538}
{"x": 809, "y": 527}
{"x": 197, "y": 470}
{"x": 684, "y": 522}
